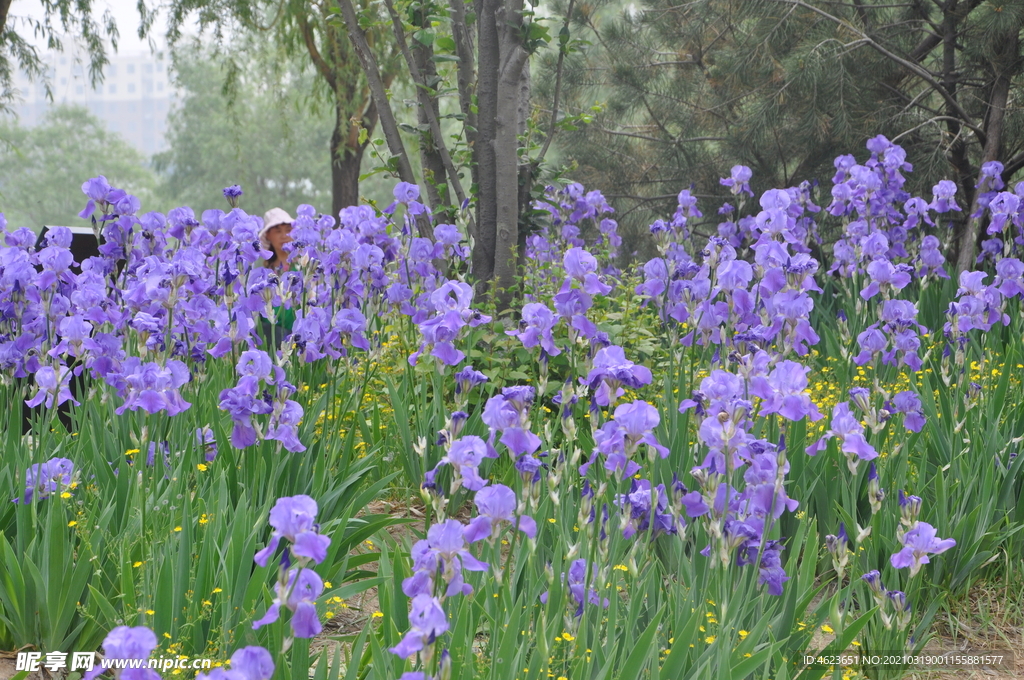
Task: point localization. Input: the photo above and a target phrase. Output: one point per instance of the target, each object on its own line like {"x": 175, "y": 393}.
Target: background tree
{"x": 784, "y": 86}
{"x": 266, "y": 136}
{"x": 304, "y": 28}
{"x": 491, "y": 42}
{"x": 42, "y": 169}
{"x": 62, "y": 19}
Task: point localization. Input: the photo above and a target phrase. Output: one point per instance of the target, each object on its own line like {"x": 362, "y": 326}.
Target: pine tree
{"x": 784, "y": 86}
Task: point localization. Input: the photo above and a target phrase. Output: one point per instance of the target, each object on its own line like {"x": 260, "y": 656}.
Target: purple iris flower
{"x": 885, "y": 273}
{"x": 1009, "y": 277}
{"x": 448, "y": 237}
{"x": 294, "y": 518}
{"x": 536, "y": 326}
{"x": 910, "y": 509}
{"x": 467, "y": 379}
{"x": 909, "y": 404}
{"x": 500, "y": 413}
{"x": 233, "y": 193}
{"x": 733, "y": 274}
{"x": 930, "y": 258}
{"x": 637, "y": 421}
{"x": 44, "y": 480}
{"x": 446, "y": 550}
{"x": 529, "y": 468}
{"x": 407, "y": 193}
{"x": 873, "y": 579}
{"x": 520, "y": 441}
{"x": 248, "y": 663}
{"x": 427, "y": 622}
{"x": 284, "y": 426}
{"x": 917, "y": 544}
{"x": 770, "y": 570}
{"x": 496, "y": 504}
{"x": 351, "y": 323}
{"x": 579, "y": 263}
{"x": 917, "y": 212}
{"x": 242, "y": 402}
{"x": 943, "y": 194}
{"x": 298, "y": 593}
{"x": 577, "y": 583}
{"x": 465, "y": 456}
{"x": 207, "y": 441}
{"x": 124, "y": 642}
{"x": 643, "y": 512}
{"x": 1003, "y": 207}
{"x": 611, "y": 370}
{"x": 155, "y": 388}
{"x": 520, "y": 397}
{"x": 787, "y": 383}
{"x": 738, "y": 180}
{"x": 74, "y": 331}
{"x": 572, "y": 304}
{"x": 52, "y": 386}
{"x": 850, "y": 433}
{"x": 97, "y": 189}
{"x": 578, "y": 586}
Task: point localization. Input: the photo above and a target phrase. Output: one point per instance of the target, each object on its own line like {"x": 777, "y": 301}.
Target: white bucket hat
{"x": 272, "y": 218}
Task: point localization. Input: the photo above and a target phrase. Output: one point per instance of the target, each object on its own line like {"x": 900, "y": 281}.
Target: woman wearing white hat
{"x": 277, "y": 230}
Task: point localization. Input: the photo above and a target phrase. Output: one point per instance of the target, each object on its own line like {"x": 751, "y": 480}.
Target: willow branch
{"x": 424, "y": 98}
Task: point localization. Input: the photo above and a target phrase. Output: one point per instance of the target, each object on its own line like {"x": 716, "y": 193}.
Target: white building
{"x": 133, "y": 99}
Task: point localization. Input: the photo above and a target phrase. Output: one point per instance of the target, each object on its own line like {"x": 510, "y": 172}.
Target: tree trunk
{"x": 506, "y": 144}
{"x": 487, "y": 107}
{"x": 957, "y": 155}
{"x": 5, "y": 7}
{"x": 345, "y": 179}
{"x": 346, "y": 159}
{"x": 1005, "y": 65}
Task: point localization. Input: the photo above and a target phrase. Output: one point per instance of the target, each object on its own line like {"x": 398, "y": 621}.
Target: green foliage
{"x": 62, "y": 20}
{"x": 43, "y": 167}
{"x": 783, "y": 87}
{"x": 260, "y": 133}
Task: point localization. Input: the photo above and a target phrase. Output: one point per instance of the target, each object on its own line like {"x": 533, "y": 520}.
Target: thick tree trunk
{"x": 1005, "y": 66}
{"x": 506, "y": 144}
{"x": 345, "y": 179}
{"x": 346, "y": 159}
{"x": 487, "y": 107}
{"x": 5, "y": 8}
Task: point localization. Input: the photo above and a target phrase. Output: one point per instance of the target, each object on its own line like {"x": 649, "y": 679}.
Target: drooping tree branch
{"x": 377, "y": 91}
{"x": 314, "y": 54}
{"x": 380, "y": 98}
{"x": 424, "y": 98}
{"x": 562, "y": 49}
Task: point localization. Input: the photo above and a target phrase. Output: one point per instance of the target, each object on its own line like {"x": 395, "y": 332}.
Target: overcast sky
{"x": 125, "y": 14}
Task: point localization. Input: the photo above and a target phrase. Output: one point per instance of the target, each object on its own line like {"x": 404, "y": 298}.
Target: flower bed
{"x": 680, "y": 469}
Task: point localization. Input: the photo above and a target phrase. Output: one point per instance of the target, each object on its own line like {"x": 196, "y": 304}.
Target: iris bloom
{"x": 298, "y": 593}
{"x": 918, "y": 543}
{"x": 294, "y": 518}
{"x": 427, "y": 622}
